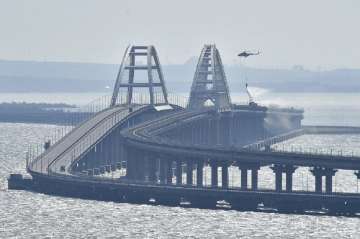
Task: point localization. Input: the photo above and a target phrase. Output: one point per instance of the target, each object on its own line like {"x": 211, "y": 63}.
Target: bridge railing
{"x": 314, "y": 151}
{"x": 282, "y": 148}
{"x": 261, "y": 144}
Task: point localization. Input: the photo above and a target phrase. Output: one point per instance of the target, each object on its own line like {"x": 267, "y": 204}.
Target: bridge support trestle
{"x": 244, "y": 175}
{"x": 279, "y": 170}
{"x": 319, "y": 172}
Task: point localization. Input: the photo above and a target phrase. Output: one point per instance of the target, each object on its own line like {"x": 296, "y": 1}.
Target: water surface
{"x": 33, "y": 215}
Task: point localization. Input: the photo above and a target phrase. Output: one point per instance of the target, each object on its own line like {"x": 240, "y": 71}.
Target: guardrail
{"x": 314, "y": 151}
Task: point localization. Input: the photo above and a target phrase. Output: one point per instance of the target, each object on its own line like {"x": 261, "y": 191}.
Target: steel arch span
{"x": 209, "y": 83}
{"x": 126, "y": 75}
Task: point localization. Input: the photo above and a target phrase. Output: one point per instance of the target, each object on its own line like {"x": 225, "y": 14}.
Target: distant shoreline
{"x": 30, "y": 76}
{"x": 44, "y": 113}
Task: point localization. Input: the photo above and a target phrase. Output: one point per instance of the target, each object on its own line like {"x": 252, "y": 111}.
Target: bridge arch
{"x": 126, "y": 76}
{"x": 209, "y": 81}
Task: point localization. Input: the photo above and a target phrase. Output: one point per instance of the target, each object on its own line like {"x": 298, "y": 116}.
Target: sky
{"x": 317, "y": 34}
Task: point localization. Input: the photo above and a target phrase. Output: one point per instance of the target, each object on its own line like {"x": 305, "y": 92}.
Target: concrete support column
{"x": 189, "y": 172}
{"x": 278, "y": 180}
{"x": 169, "y": 172}
{"x": 289, "y": 171}
{"x": 178, "y": 172}
{"x": 152, "y": 169}
{"x": 117, "y": 148}
{"x": 91, "y": 156}
{"x": 224, "y": 175}
{"x": 244, "y": 168}
{"x": 328, "y": 179}
{"x": 244, "y": 174}
{"x": 279, "y": 170}
{"x": 141, "y": 163}
{"x": 254, "y": 179}
{"x": 214, "y": 174}
{"x": 199, "y": 173}
{"x": 289, "y": 181}
{"x": 318, "y": 183}
{"x": 140, "y": 166}
{"x": 328, "y": 183}
{"x": 162, "y": 170}
{"x": 319, "y": 172}
{"x": 129, "y": 162}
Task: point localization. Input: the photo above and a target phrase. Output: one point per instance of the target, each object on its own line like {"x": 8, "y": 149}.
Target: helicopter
{"x": 248, "y": 53}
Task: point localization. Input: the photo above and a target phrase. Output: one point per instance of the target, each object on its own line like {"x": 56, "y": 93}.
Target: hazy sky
{"x": 315, "y": 33}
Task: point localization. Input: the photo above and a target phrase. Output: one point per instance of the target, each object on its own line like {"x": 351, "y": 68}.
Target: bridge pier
{"x": 169, "y": 171}
{"x": 214, "y": 174}
{"x": 199, "y": 173}
{"x": 140, "y": 166}
{"x": 108, "y": 148}
{"x": 244, "y": 176}
{"x": 289, "y": 171}
{"x": 254, "y": 178}
{"x": 189, "y": 171}
{"x": 130, "y": 163}
{"x": 279, "y": 170}
{"x": 318, "y": 183}
{"x": 88, "y": 163}
{"x": 104, "y": 152}
{"x": 115, "y": 147}
{"x": 319, "y": 172}
{"x": 151, "y": 162}
{"x": 135, "y": 167}
{"x": 328, "y": 181}
{"x": 178, "y": 172}
{"x": 224, "y": 175}
{"x": 162, "y": 170}
{"x": 278, "y": 180}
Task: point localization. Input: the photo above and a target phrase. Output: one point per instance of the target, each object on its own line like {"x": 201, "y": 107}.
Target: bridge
{"x": 151, "y": 144}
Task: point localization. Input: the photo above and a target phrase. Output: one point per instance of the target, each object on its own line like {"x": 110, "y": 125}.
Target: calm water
{"x": 31, "y": 215}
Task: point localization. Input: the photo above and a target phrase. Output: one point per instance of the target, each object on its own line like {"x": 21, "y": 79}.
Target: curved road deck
{"x": 146, "y": 136}
{"x": 77, "y": 141}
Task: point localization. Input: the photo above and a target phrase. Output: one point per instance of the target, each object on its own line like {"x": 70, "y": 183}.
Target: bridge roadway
{"x": 76, "y": 142}
{"x": 66, "y": 151}
{"x": 46, "y": 169}
{"x": 147, "y": 137}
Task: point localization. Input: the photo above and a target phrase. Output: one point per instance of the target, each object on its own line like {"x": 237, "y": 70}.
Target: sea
{"x": 34, "y": 215}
